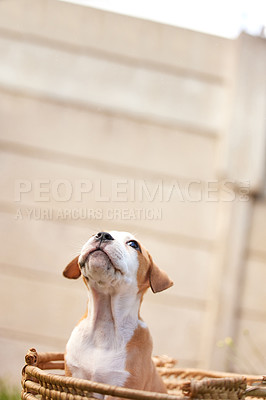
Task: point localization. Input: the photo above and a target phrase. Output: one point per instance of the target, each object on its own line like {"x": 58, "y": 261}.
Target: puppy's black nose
{"x": 104, "y": 236}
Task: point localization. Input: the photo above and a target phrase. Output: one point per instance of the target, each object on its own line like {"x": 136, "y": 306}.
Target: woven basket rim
{"x": 37, "y": 363}
{"x": 90, "y": 386}
{"x": 46, "y": 357}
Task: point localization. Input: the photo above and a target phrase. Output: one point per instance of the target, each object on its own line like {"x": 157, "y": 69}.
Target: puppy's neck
{"x": 112, "y": 316}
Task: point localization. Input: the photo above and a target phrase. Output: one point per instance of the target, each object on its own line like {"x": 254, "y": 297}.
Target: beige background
{"x": 90, "y": 95}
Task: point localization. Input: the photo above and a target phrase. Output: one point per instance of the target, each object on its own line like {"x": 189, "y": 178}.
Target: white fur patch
{"x": 88, "y": 361}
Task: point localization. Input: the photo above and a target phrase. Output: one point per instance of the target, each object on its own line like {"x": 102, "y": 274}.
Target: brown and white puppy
{"x": 112, "y": 344}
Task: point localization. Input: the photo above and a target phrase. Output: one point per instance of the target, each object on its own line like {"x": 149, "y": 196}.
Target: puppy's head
{"x": 116, "y": 261}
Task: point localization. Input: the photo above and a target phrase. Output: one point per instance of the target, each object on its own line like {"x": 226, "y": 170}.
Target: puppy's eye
{"x": 134, "y": 244}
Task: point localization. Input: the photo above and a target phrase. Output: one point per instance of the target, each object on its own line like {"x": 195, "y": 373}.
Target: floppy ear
{"x": 72, "y": 270}
{"x": 159, "y": 280}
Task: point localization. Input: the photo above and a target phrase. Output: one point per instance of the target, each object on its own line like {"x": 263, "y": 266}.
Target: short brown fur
{"x": 72, "y": 270}
{"x": 140, "y": 365}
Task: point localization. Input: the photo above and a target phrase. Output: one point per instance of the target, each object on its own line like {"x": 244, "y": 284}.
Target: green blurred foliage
{"x": 8, "y": 392}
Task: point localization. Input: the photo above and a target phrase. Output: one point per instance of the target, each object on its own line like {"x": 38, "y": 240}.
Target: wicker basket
{"x": 181, "y": 383}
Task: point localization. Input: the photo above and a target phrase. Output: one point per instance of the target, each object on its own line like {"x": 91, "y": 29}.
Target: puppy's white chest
{"x": 87, "y": 360}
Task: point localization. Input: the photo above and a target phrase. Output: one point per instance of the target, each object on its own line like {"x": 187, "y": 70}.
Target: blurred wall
{"x": 165, "y": 129}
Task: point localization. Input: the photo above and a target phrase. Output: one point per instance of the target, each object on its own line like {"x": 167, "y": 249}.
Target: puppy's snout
{"x": 104, "y": 236}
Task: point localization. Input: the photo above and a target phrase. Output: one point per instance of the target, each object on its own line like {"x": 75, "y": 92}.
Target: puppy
{"x": 111, "y": 344}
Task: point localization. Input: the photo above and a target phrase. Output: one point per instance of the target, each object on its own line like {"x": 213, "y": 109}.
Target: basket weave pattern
{"x": 182, "y": 384}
